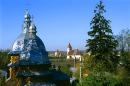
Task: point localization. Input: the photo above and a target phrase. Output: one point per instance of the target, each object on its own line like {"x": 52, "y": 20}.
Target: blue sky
{"x": 59, "y": 21}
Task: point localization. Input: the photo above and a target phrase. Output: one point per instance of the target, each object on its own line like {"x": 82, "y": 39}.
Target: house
{"x": 73, "y": 53}
{"x": 57, "y": 53}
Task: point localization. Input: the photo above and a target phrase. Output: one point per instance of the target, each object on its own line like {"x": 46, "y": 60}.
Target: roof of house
{"x": 74, "y": 52}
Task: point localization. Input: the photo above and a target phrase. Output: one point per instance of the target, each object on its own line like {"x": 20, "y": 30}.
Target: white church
{"x": 73, "y": 53}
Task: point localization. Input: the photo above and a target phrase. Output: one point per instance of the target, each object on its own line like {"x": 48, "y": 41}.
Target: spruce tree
{"x": 102, "y": 44}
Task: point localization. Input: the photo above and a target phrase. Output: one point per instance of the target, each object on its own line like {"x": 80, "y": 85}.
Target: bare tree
{"x": 123, "y": 40}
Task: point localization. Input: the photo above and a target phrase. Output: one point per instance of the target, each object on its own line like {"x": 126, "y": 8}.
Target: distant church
{"x": 73, "y": 54}
{"x": 29, "y": 63}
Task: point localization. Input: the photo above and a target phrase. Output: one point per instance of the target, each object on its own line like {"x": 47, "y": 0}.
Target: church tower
{"x": 29, "y": 63}
{"x": 69, "y": 48}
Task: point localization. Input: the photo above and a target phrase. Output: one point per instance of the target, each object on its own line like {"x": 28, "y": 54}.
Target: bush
{"x": 3, "y": 59}
{"x": 101, "y": 79}
{"x": 2, "y": 80}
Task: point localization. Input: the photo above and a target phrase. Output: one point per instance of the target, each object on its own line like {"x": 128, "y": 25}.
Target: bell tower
{"x": 69, "y": 48}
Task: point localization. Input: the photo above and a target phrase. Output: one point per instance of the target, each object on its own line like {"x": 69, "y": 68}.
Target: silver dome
{"x": 29, "y": 45}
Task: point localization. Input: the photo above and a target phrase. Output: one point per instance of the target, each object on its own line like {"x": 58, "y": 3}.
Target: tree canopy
{"x": 102, "y": 44}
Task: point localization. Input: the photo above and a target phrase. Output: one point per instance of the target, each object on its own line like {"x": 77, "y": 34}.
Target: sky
{"x": 59, "y": 22}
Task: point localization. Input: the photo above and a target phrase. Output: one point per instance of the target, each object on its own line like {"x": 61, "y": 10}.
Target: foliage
{"x": 103, "y": 59}
{"x": 101, "y": 79}
{"x": 66, "y": 69}
{"x": 2, "y": 81}
{"x": 123, "y": 76}
{"x": 3, "y": 64}
{"x": 102, "y": 44}
{"x": 124, "y": 68}
{"x": 125, "y": 60}
{"x": 3, "y": 59}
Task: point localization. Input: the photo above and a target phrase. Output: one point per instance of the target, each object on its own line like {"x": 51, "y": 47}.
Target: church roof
{"x": 74, "y": 52}
{"x": 77, "y": 52}
{"x": 71, "y": 52}
{"x": 28, "y": 45}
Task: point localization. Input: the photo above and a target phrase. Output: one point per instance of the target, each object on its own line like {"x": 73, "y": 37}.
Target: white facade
{"x": 73, "y": 56}
{"x": 57, "y": 53}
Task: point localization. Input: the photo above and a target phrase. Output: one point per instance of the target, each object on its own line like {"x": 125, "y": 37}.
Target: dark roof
{"x": 33, "y": 74}
{"x": 77, "y": 52}
{"x": 53, "y": 75}
{"x": 71, "y": 52}
{"x": 74, "y": 52}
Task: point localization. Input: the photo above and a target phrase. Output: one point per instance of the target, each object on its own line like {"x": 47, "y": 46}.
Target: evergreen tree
{"x": 101, "y": 44}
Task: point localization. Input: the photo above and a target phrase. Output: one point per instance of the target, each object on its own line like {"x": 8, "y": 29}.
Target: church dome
{"x": 27, "y": 15}
{"x": 29, "y": 46}
{"x": 19, "y": 43}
